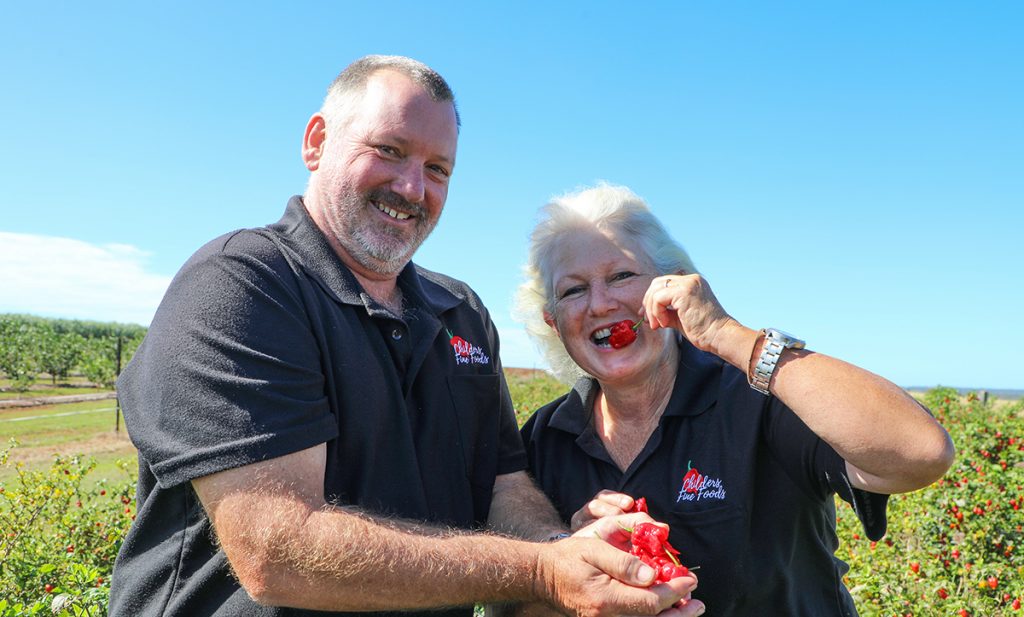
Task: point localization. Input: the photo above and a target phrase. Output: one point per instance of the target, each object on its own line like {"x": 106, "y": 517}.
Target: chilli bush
{"x": 60, "y": 538}
{"x": 953, "y": 548}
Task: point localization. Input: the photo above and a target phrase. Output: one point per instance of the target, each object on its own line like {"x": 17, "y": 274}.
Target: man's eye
{"x": 388, "y": 150}
{"x": 441, "y": 171}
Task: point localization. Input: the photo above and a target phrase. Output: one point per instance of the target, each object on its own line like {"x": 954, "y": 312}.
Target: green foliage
{"x": 17, "y": 358}
{"x": 84, "y": 328}
{"x": 60, "y": 538}
{"x": 531, "y": 390}
{"x": 30, "y": 345}
{"x": 57, "y": 353}
{"x": 957, "y": 545}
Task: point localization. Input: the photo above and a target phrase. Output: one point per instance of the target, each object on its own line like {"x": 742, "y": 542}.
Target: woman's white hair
{"x": 607, "y": 208}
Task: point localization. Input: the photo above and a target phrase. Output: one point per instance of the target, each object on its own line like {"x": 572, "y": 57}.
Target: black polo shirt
{"x": 744, "y": 484}
{"x": 264, "y": 345}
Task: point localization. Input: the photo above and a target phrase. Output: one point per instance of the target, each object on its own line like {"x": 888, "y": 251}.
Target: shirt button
{"x": 396, "y": 334}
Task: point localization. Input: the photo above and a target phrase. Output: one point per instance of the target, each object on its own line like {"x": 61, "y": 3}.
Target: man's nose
{"x": 411, "y": 183}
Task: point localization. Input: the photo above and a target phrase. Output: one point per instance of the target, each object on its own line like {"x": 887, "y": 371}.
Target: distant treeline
{"x": 31, "y": 346}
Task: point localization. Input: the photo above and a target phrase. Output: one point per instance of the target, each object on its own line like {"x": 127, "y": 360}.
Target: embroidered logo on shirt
{"x": 697, "y": 486}
{"x": 466, "y": 352}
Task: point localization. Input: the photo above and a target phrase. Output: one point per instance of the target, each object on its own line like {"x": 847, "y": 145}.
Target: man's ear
{"x": 549, "y": 319}
{"x": 313, "y": 141}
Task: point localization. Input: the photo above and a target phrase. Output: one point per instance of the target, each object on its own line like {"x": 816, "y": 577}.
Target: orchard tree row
{"x": 31, "y": 346}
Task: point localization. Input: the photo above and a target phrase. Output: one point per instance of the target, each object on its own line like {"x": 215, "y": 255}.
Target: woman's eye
{"x": 621, "y": 276}
{"x": 388, "y": 150}
{"x": 572, "y": 291}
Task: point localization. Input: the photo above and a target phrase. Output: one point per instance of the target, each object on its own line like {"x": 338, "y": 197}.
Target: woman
{"x": 743, "y": 476}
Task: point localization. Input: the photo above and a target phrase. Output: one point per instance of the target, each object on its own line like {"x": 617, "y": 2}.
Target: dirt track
{"x": 105, "y": 443}
{"x": 54, "y": 400}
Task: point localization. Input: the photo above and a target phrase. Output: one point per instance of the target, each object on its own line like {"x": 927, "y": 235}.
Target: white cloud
{"x": 68, "y": 278}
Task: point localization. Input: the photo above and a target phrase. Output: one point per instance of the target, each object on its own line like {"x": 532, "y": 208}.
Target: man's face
{"x": 384, "y": 172}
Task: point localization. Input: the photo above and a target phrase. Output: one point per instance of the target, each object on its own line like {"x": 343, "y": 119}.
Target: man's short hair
{"x": 352, "y": 82}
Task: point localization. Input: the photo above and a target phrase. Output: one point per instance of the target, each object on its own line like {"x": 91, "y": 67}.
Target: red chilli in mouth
{"x": 623, "y": 333}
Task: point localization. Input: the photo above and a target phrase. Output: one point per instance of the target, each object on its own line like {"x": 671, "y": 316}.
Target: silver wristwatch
{"x": 775, "y": 341}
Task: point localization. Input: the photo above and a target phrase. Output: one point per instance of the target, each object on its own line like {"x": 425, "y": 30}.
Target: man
{"x": 322, "y": 424}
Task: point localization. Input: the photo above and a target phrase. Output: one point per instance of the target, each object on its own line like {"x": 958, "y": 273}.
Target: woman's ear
{"x": 549, "y": 319}
{"x": 313, "y": 141}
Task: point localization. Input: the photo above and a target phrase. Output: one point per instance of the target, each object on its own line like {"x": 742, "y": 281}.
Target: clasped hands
{"x": 601, "y": 578}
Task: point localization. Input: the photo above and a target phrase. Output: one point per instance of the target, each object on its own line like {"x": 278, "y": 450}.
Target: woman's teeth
{"x": 600, "y": 337}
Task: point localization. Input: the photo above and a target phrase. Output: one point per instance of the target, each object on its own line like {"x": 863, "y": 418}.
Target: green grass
{"x": 43, "y": 387}
{"x": 532, "y": 389}
{"x": 58, "y": 424}
{"x": 72, "y": 429}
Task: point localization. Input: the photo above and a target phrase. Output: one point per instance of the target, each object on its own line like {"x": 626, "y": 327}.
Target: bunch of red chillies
{"x": 649, "y": 542}
{"x": 622, "y": 334}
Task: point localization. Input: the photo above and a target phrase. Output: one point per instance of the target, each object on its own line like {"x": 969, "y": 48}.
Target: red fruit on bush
{"x": 942, "y": 593}
{"x": 48, "y": 588}
{"x": 993, "y": 582}
{"x": 1016, "y": 604}
{"x": 915, "y": 567}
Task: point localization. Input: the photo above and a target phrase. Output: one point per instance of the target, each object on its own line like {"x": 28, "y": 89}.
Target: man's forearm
{"x": 334, "y": 559}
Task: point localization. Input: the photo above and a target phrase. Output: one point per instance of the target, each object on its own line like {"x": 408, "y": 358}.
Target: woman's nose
{"x": 602, "y": 301}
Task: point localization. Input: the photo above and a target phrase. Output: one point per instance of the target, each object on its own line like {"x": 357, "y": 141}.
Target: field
{"x": 66, "y": 499}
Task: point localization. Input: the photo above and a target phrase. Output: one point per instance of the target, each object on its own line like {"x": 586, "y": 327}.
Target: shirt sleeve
{"x": 817, "y": 468}
{"x": 229, "y": 373}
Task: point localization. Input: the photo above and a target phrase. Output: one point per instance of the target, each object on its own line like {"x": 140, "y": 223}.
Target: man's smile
{"x": 395, "y": 214}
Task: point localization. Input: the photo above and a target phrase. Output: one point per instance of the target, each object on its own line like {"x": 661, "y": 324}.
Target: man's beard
{"x": 379, "y": 248}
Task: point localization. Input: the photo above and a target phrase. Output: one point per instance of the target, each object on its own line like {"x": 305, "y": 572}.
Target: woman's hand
{"x": 686, "y": 303}
{"x": 841, "y": 403}
{"x": 605, "y": 503}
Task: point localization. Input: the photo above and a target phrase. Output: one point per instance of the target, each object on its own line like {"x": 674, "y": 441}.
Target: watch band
{"x": 775, "y": 342}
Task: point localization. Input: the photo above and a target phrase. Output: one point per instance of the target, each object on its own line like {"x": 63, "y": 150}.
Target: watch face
{"x": 785, "y": 339}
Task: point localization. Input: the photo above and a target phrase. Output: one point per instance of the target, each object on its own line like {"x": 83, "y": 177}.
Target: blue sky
{"x": 881, "y": 145}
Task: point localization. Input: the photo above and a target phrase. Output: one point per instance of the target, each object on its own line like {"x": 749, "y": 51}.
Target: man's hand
{"x": 584, "y": 577}
{"x": 590, "y": 577}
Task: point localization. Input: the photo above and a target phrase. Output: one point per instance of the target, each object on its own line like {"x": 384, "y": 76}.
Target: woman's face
{"x": 599, "y": 279}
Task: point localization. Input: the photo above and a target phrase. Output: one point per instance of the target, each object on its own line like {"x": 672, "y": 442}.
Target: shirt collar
{"x": 695, "y": 391}
{"x": 310, "y": 247}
